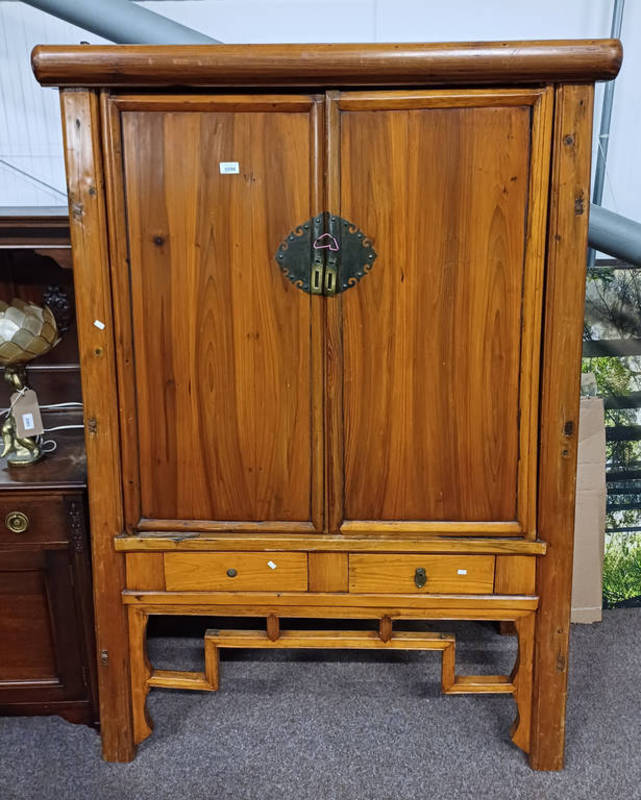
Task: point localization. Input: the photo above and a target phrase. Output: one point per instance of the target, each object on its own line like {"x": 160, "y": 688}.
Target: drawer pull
{"x": 232, "y": 572}
{"x": 420, "y": 577}
{"x": 16, "y": 522}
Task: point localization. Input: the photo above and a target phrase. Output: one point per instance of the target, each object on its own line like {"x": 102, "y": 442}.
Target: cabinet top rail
{"x": 262, "y": 65}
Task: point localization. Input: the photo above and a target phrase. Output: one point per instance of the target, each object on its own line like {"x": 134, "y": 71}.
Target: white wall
{"x": 29, "y": 116}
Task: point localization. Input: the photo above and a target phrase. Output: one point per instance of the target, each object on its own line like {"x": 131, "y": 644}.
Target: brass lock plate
{"x": 325, "y": 255}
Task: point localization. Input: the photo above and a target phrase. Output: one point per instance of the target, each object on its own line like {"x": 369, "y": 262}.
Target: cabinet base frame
{"x": 144, "y": 677}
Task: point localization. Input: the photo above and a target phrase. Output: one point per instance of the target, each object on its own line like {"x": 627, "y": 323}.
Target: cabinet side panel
{"x": 563, "y": 324}
{"x": 96, "y": 344}
{"x": 432, "y": 335}
{"x": 223, "y": 358}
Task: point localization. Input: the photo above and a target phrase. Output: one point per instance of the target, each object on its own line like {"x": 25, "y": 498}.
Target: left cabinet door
{"x": 41, "y": 667}
{"x": 220, "y": 378}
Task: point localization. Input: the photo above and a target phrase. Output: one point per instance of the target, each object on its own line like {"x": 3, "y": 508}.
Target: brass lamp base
{"x": 22, "y": 457}
{"x": 20, "y": 451}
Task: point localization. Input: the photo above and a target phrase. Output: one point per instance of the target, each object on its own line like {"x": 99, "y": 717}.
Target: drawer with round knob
{"x": 380, "y": 573}
{"x": 232, "y": 572}
{"x": 29, "y": 519}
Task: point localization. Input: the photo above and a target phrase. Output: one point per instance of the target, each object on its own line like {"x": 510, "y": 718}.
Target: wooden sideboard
{"x": 46, "y": 617}
{"x": 47, "y": 661}
{"x": 330, "y": 304}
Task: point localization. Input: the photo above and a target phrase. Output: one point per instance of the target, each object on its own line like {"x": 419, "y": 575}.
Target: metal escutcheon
{"x": 16, "y": 522}
{"x": 420, "y": 577}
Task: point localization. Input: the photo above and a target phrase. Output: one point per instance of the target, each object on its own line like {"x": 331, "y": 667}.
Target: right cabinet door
{"x": 433, "y": 367}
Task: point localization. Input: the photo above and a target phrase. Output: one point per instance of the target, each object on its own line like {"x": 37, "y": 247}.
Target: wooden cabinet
{"x": 46, "y": 619}
{"x": 330, "y": 311}
{"x": 47, "y": 651}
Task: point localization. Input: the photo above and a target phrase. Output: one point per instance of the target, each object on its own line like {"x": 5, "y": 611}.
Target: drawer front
{"x": 407, "y": 574}
{"x": 229, "y": 572}
{"x": 29, "y": 519}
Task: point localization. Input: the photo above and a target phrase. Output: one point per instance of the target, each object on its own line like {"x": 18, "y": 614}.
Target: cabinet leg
{"x": 522, "y": 680}
{"x": 140, "y": 670}
{"x": 212, "y": 664}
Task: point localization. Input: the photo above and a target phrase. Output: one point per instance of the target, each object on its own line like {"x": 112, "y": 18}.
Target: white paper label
{"x": 100, "y": 325}
{"x": 229, "y": 167}
{"x": 271, "y": 565}
{"x": 461, "y": 571}
{"x": 27, "y": 422}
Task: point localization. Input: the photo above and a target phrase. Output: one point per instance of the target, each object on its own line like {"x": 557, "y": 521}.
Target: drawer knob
{"x": 232, "y": 572}
{"x": 420, "y": 577}
{"x": 16, "y": 522}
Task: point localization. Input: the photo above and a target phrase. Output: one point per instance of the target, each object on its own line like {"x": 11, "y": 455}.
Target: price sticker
{"x": 26, "y": 412}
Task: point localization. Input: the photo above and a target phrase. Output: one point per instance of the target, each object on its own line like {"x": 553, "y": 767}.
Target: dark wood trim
{"x": 34, "y": 230}
{"x": 76, "y": 510}
{"x": 459, "y": 63}
{"x": 77, "y": 711}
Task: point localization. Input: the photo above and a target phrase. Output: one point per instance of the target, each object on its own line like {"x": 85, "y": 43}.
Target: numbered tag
{"x": 26, "y": 413}
{"x": 229, "y": 167}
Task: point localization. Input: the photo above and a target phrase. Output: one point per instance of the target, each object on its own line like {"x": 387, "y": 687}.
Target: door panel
{"x": 41, "y": 655}
{"x": 435, "y": 357}
{"x": 226, "y": 350}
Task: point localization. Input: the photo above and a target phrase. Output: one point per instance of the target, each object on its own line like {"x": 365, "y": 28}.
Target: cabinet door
{"x": 42, "y": 652}
{"x": 436, "y": 388}
{"x": 219, "y": 354}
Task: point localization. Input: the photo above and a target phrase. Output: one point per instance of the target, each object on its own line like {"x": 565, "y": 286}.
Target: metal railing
{"x": 623, "y": 476}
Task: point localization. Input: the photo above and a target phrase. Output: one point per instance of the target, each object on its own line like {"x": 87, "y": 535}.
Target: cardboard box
{"x": 589, "y": 525}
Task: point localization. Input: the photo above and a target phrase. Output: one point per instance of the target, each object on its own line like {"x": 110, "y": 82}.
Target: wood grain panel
{"x": 515, "y": 575}
{"x": 233, "y": 390}
{"x": 250, "y": 572}
{"x": 41, "y": 623}
{"x": 565, "y": 289}
{"x": 357, "y": 640}
{"x": 320, "y": 543}
{"x": 146, "y": 571}
{"x": 92, "y": 281}
{"x": 445, "y": 574}
{"x": 374, "y": 64}
{"x": 121, "y": 284}
{"x": 25, "y": 627}
{"x": 334, "y": 456}
{"x": 293, "y": 604}
{"x": 432, "y": 335}
{"x": 328, "y": 572}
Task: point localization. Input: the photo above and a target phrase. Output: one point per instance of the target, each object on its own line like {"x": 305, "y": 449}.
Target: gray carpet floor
{"x": 350, "y": 726}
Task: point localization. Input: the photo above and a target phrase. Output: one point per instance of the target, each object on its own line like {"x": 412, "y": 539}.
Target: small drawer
{"x": 29, "y": 519}
{"x": 232, "y": 572}
{"x": 407, "y": 574}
